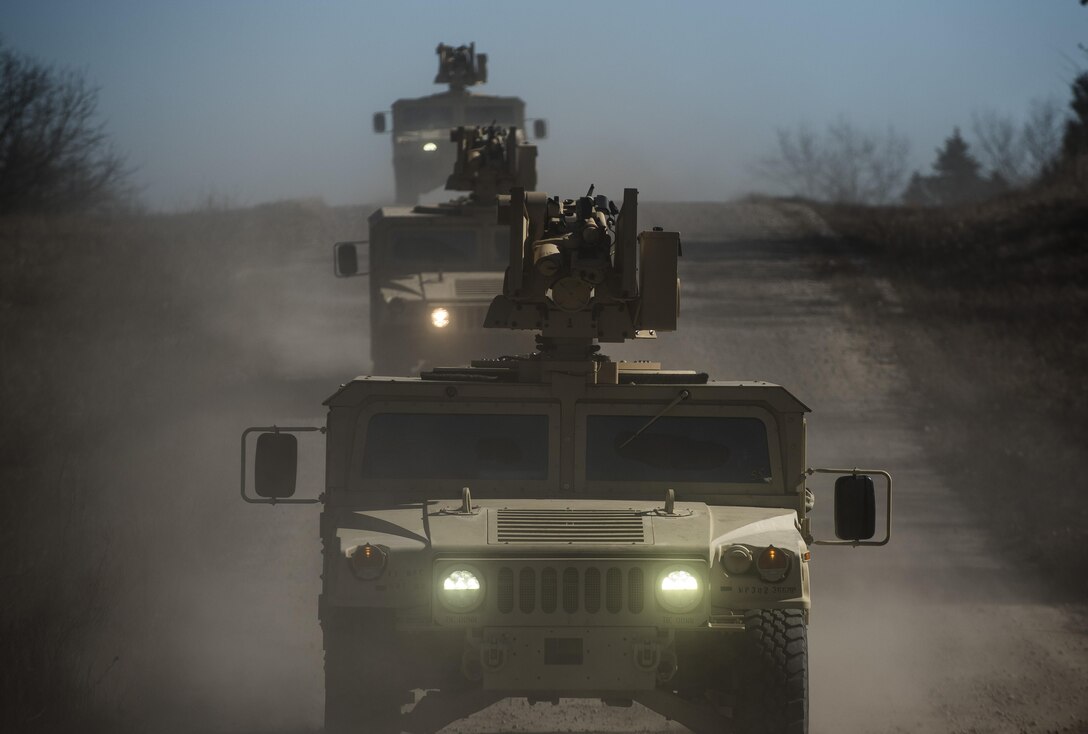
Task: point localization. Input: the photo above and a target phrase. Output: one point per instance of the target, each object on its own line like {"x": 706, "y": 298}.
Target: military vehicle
{"x": 559, "y": 524}
{"x": 422, "y": 154}
{"x": 434, "y": 269}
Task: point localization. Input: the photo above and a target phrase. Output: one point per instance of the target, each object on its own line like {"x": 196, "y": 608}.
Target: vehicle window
{"x": 677, "y": 449}
{"x": 456, "y": 446}
{"x": 435, "y": 249}
{"x": 503, "y": 115}
{"x": 424, "y": 118}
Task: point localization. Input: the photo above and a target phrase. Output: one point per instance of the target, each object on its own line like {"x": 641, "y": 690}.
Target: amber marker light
{"x": 773, "y": 564}
{"x": 367, "y": 561}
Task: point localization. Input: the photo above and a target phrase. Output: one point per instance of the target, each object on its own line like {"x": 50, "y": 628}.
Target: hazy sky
{"x": 253, "y": 100}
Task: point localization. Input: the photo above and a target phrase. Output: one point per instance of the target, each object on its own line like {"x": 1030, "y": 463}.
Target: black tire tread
{"x": 774, "y": 697}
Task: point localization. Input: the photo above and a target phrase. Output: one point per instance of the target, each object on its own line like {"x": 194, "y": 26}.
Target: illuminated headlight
{"x": 736, "y": 560}
{"x": 429, "y": 147}
{"x": 440, "y": 317}
{"x": 773, "y": 564}
{"x": 679, "y": 590}
{"x": 461, "y": 590}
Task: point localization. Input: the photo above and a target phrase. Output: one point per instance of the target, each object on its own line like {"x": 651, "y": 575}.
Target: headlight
{"x": 461, "y": 590}
{"x": 440, "y": 317}
{"x": 773, "y": 564}
{"x": 429, "y": 147}
{"x": 367, "y": 561}
{"x": 679, "y": 590}
{"x": 736, "y": 560}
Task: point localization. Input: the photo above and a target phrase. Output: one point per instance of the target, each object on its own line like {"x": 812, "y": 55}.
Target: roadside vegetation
{"x": 998, "y": 291}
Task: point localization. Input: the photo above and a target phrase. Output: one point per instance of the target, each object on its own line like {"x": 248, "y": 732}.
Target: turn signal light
{"x": 367, "y": 561}
{"x": 773, "y": 564}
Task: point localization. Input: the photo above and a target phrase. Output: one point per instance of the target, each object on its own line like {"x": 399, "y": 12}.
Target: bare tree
{"x": 843, "y": 164}
{"x": 1019, "y": 153}
{"x": 54, "y": 154}
{"x": 1042, "y": 134}
{"x": 999, "y": 146}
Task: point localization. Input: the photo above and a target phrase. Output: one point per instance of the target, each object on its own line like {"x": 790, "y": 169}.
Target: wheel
{"x": 773, "y": 668}
{"x": 363, "y": 691}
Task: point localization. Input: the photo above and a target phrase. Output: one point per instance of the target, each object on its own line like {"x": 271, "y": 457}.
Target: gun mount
{"x": 460, "y": 66}
{"x": 491, "y": 161}
{"x": 579, "y": 273}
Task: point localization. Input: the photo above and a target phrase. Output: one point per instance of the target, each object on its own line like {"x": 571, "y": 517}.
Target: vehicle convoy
{"x": 435, "y": 269}
{"x": 559, "y": 524}
{"x": 422, "y": 153}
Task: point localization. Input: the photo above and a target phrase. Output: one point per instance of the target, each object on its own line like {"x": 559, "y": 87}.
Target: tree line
{"x": 846, "y": 164}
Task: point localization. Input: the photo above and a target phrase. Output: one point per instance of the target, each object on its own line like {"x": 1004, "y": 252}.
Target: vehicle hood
{"x": 566, "y": 527}
{"x": 444, "y": 288}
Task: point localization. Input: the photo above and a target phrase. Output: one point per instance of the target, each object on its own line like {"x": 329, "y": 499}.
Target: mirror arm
{"x": 888, "y": 514}
{"x": 274, "y": 429}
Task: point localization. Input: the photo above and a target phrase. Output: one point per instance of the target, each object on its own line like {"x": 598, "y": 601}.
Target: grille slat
{"x": 478, "y": 287}
{"x": 561, "y": 526}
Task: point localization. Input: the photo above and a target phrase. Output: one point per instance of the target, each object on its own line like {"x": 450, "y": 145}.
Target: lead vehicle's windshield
{"x": 461, "y": 446}
{"x": 677, "y": 449}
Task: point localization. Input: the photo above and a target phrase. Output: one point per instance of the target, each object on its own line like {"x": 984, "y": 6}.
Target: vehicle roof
{"x": 452, "y": 95}
{"x": 461, "y": 211}
{"x": 357, "y": 390}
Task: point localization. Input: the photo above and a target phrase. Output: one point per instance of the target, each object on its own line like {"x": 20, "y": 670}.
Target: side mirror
{"x": 540, "y": 128}
{"x": 855, "y": 507}
{"x": 276, "y": 465}
{"x": 379, "y": 122}
{"x": 346, "y": 258}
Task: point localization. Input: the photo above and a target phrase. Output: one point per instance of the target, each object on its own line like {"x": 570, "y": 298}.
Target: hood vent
{"x": 570, "y": 526}
{"x": 478, "y": 287}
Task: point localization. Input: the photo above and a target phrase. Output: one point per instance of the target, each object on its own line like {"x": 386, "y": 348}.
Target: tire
{"x": 773, "y": 673}
{"x": 363, "y": 693}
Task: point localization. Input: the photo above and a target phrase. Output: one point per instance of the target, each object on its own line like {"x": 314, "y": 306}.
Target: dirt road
{"x": 941, "y": 631}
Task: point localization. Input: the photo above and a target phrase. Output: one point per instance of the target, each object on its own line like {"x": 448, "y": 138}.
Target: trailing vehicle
{"x": 422, "y": 154}
{"x": 559, "y": 524}
{"x": 434, "y": 270}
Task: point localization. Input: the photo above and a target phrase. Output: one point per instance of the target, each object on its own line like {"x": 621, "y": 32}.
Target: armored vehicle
{"x": 422, "y": 154}
{"x": 559, "y": 524}
{"x": 434, "y": 269}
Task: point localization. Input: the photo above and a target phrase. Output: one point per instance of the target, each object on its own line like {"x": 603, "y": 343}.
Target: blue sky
{"x": 254, "y": 101}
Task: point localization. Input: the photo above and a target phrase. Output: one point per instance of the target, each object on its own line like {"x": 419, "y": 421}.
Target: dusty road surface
{"x": 941, "y": 631}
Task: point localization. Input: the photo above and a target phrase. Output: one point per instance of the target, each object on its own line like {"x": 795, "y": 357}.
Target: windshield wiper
{"x": 684, "y": 395}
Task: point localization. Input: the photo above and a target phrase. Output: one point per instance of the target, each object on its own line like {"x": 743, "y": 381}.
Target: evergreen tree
{"x": 956, "y": 178}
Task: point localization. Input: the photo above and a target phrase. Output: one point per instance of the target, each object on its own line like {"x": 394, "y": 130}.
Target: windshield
{"x": 429, "y": 249}
{"x": 677, "y": 449}
{"x": 456, "y": 446}
{"x": 503, "y": 115}
{"x": 424, "y": 118}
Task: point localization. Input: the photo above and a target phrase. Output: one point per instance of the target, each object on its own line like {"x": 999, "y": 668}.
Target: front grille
{"x": 581, "y": 590}
{"x": 478, "y": 287}
{"x": 570, "y": 526}
{"x": 467, "y": 318}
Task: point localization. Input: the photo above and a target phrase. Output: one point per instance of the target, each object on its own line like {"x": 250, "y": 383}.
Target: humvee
{"x": 422, "y": 154}
{"x": 559, "y": 524}
{"x": 434, "y": 270}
